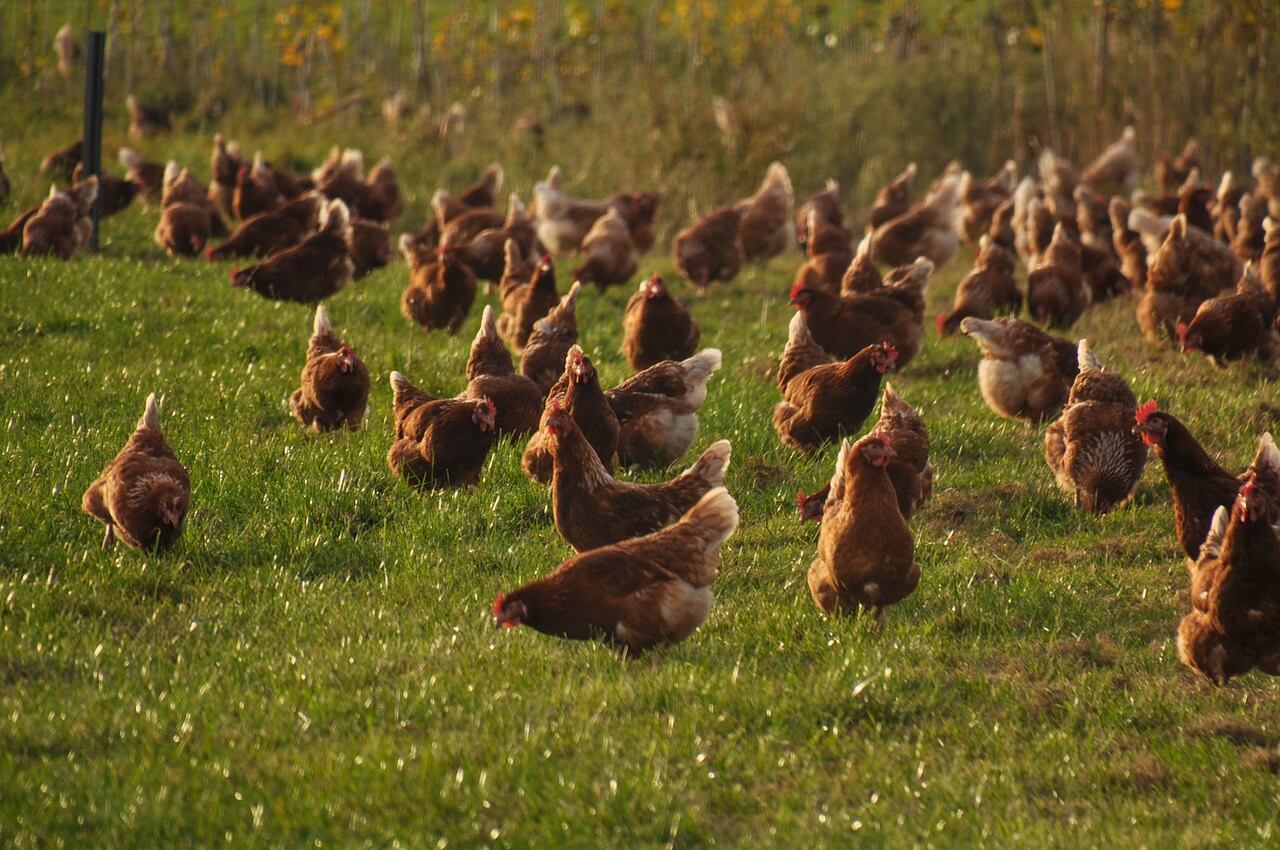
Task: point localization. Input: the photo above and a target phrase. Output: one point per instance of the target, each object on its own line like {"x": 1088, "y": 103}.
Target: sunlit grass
{"x": 315, "y": 662}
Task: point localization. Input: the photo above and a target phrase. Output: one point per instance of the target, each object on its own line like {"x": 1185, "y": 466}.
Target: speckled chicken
{"x": 491, "y": 374}
{"x": 866, "y": 554}
{"x": 592, "y": 509}
{"x": 657, "y": 327}
{"x": 143, "y": 495}
{"x": 439, "y": 442}
{"x": 637, "y": 594}
{"x": 1024, "y": 373}
{"x": 657, "y": 409}
{"x": 1092, "y": 449}
{"x": 335, "y": 382}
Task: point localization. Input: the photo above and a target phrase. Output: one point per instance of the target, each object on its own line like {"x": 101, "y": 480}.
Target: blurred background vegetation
{"x": 694, "y": 95}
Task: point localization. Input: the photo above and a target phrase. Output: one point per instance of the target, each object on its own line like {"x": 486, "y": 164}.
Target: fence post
{"x": 91, "y": 146}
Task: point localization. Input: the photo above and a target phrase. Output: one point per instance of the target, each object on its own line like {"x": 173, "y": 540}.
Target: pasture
{"x": 315, "y": 663}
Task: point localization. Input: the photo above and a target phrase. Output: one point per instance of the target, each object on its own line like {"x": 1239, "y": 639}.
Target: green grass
{"x": 315, "y": 663}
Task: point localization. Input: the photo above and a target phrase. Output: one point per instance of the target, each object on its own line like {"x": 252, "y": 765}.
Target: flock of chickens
{"x": 1204, "y": 267}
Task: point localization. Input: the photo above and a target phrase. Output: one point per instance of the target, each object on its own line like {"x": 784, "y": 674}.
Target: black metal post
{"x": 91, "y": 146}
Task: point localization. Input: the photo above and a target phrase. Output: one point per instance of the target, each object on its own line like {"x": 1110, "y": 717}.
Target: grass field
{"x": 315, "y": 663}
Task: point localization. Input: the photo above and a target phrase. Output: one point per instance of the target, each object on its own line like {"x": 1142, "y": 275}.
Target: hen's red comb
{"x": 497, "y": 604}
{"x": 942, "y": 323}
{"x": 1144, "y": 412}
{"x": 801, "y": 498}
{"x": 796, "y": 290}
{"x": 891, "y": 350}
{"x": 491, "y": 407}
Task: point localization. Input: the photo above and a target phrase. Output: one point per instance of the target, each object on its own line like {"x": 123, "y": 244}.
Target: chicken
{"x": 1056, "y": 291}
{"x": 767, "y": 226}
{"x": 224, "y": 165}
{"x": 1092, "y": 449}
{"x": 1093, "y": 220}
{"x": 335, "y": 383}
{"x": 1172, "y": 172}
{"x": 484, "y": 253}
{"x": 62, "y": 225}
{"x": 146, "y": 121}
{"x": 543, "y": 355}
{"x": 439, "y": 294}
{"x": 342, "y": 178}
{"x": 592, "y": 509}
{"x": 657, "y": 327}
{"x": 484, "y": 192}
{"x": 370, "y": 246}
{"x": 255, "y": 190}
{"x": 469, "y": 224}
{"x": 579, "y": 393}
{"x": 1001, "y": 230}
{"x": 181, "y": 187}
{"x": 271, "y": 232}
{"x": 866, "y": 555}
{"x": 609, "y": 256}
{"x": 1236, "y": 325}
{"x": 710, "y": 249}
{"x": 67, "y": 46}
{"x": 987, "y": 290}
{"x": 980, "y": 200}
{"x": 844, "y": 325}
{"x": 926, "y": 229}
{"x": 893, "y": 199}
{"x": 1128, "y": 245}
{"x": 491, "y": 374}
{"x": 821, "y": 400}
{"x": 440, "y": 442}
{"x": 1226, "y": 208}
{"x": 114, "y": 193}
{"x": 862, "y": 277}
{"x": 143, "y": 495}
{"x": 1267, "y": 173}
{"x": 1198, "y": 483}
{"x": 1250, "y": 237}
{"x": 909, "y": 470}
{"x": 1059, "y": 176}
{"x": 830, "y": 253}
{"x": 823, "y": 206}
{"x": 528, "y": 294}
{"x": 657, "y": 409}
{"x": 1151, "y": 228}
{"x": 1116, "y": 168}
{"x": 563, "y": 222}
{"x": 63, "y": 161}
{"x": 11, "y": 236}
{"x": 1024, "y": 373}
{"x": 637, "y": 594}
{"x": 309, "y": 272}
{"x": 1234, "y": 623}
{"x": 1194, "y": 202}
{"x": 1269, "y": 264}
{"x": 1189, "y": 268}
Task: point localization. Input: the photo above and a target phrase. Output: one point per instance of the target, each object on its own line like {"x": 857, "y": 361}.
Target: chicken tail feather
{"x": 150, "y": 416}
{"x": 713, "y": 463}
